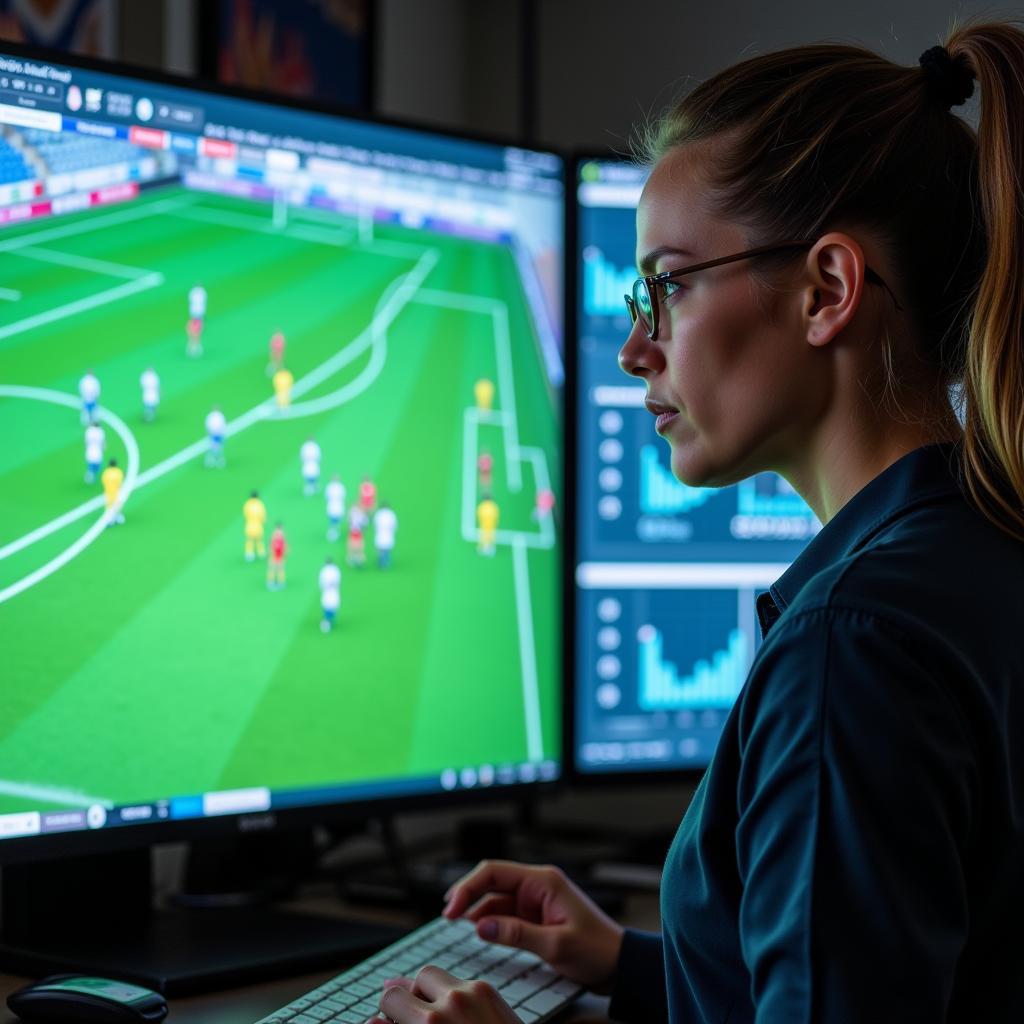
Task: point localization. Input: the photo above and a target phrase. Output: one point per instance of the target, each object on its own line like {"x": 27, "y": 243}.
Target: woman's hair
{"x": 816, "y": 137}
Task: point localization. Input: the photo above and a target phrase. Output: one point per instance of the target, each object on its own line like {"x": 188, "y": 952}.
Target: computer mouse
{"x": 74, "y": 999}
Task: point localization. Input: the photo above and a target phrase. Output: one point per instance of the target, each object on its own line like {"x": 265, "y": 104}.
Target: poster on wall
{"x": 317, "y": 49}
{"x": 87, "y": 27}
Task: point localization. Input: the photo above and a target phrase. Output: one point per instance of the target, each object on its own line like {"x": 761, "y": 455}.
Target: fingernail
{"x": 448, "y": 894}
{"x": 488, "y": 929}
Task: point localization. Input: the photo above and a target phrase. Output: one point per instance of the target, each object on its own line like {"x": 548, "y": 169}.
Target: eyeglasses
{"x": 644, "y": 304}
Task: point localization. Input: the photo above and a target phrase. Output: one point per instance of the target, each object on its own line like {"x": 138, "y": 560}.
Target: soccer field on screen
{"x": 149, "y": 659}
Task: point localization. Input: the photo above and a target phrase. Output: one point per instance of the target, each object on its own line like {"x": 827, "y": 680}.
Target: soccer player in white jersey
{"x": 196, "y": 316}
{"x": 334, "y": 492}
{"x": 385, "y": 523}
{"x": 150, "y": 384}
{"x": 89, "y": 392}
{"x": 309, "y": 455}
{"x": 95, "y": 442}
{"x": 330, "y": 593}
{"x": 216, "y": 429}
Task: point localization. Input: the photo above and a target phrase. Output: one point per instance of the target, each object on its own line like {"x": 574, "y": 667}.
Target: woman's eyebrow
{"x": 650, "y": 261}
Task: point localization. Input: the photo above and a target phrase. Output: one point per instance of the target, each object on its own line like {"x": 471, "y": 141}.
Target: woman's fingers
{"x": 493, "y": 903}
{"x": 489, "y": 876}
{"x": 433, "y": 983}
{"x": 403, "y": 1007}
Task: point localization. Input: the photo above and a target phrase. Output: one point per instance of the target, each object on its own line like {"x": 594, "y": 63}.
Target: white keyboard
{"x": 523, "y": 980}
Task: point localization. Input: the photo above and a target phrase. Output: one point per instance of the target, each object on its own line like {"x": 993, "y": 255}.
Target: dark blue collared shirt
{"x": 855, "y": 851}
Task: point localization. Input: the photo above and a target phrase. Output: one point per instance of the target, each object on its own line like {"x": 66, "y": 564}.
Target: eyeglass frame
{"x": 651, "y": 281}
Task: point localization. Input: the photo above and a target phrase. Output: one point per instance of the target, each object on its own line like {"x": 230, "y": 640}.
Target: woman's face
{"x": 742, "y": 386}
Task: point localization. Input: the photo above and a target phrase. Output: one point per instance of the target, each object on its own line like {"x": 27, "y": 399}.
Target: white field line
{"x": 471, "y": 420}
{"x": 527, "y": 653}
{"x": 250, "y": 222}
{"x": 52, "y": 794}
{"x": 139, "y": 279}
{"x": 394, "y": 299}
{"x": 136, "y": 212}
{"x": 470, "y": 425}
{"x": 10, "y": 295}
{"x": 401, "y": 250}
{"x": 389, "y": 306}
{"x": 540, "y": 469}
{"x": 131, "y": 473}
{"x": 68, "y": 259}
{"x": 498, "y": 311}
{"x": 120, "y": 291}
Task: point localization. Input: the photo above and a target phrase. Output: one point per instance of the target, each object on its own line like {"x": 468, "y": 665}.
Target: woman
{"x": 829, "y": 256}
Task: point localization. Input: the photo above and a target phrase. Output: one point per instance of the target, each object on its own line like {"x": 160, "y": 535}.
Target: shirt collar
{"x": 912, "y": 480}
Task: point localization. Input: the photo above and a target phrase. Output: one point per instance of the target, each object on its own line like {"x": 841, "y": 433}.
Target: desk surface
{"x": 250, "y": 1003}
{"x": 253, "y": 1002}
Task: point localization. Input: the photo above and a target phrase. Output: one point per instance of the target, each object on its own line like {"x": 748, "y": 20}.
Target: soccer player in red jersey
{"x": 356, "y": 547}
{"x": 485, "y": 466}
{"x": 275, "y": 563}
{"x": 368, "y": 495}
{"x": 277, "y": 343}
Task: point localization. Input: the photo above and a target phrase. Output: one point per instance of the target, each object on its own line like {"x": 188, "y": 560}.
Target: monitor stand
{"x": 94, "y": 915}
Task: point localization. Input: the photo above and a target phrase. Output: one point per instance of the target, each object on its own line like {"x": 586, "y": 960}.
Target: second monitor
{"x": 665, "y": 574}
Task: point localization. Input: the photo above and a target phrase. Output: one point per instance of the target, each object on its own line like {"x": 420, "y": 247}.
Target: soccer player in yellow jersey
{"x": 487, "y": 519}
{"x": 483, "y": 391}
{"x": 255, "y": 514}
{"x": 283, "y": 381}
{"x": 111, "y": 479}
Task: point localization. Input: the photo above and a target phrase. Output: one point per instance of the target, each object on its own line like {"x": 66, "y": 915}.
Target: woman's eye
{"x": 670, "y": 288}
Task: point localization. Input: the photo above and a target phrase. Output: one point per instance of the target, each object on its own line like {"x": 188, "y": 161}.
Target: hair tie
{"x": 950, "y": 82}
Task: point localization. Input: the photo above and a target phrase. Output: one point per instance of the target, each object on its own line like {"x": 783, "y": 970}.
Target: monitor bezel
{"x": 83, "y": 842}
{"x": 616, "y": 777}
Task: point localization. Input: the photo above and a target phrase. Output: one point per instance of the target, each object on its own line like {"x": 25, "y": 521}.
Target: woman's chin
{"x": 688, "y": 463}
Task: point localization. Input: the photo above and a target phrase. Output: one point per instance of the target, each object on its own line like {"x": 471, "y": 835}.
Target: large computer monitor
{"x": 665, "y": 574}
{"x": 393, "y": 296}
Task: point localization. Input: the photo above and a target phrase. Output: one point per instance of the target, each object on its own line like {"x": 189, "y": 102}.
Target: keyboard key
{"x": 566, "y": 988}
{"x": 544, "y": 1002}
{"x": 527, "y": 1016}
{"x": 339, "y": 1001}
{"x": 517, "y": 991}
{"x": 319, "y": 1012}
{"x": 351, "y": 1017}
{"x": 447, "y": 960}
{"x": 542, "y": 976}
{"x": 493, "y": 978}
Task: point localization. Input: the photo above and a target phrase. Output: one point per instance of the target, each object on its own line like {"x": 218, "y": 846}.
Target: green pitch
{"x": 155, "y": 662}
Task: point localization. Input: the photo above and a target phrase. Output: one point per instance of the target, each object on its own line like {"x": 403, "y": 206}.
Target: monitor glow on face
{"x": 252, "y": 358}
{"x": 666, "y": 575}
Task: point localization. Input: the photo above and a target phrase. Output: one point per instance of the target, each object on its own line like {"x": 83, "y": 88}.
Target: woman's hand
{"x": 539, "y": 909}
{"x": 435, "y": 996}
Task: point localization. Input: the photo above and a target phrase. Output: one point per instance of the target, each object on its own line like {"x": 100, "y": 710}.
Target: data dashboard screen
{"x": 666, "y": 574}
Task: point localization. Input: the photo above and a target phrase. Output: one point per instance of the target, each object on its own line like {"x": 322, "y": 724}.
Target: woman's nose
{"x": 639, "y": 356}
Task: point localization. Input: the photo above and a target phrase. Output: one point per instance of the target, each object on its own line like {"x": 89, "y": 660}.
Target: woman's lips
{"x": 662, "y": 422}
{"x": 665, "y": 414}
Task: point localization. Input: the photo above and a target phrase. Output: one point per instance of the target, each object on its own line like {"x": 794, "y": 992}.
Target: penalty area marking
{"x": 131, "y": 473}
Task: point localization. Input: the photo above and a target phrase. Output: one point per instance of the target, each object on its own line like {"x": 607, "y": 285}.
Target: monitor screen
{"x": 666, "y": 574}
{"x": 280, "y": 395}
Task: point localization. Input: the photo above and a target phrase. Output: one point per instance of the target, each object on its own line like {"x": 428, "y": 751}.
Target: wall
{"x": 603, "y": 65}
